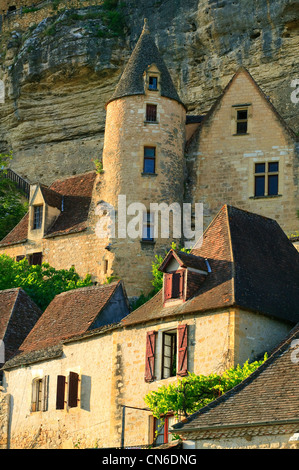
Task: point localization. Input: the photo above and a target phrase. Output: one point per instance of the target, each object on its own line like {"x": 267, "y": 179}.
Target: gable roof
{"x": 70, "y": 313}
{"x": 253, "y": 266}
{"x": 205, "y": 118}
{"x": 18, "y": 315}
{"x": 143, "y": 56}
{"x": 185, "y": 260}
{"x": 269, "y": 395}
{"x": 73, "y": 195}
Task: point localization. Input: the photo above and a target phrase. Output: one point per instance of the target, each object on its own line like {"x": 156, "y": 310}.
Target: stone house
{"x": 240, "y": 153}
{"x": 261, "y": 412}
{"x": 225, "y": 302}
{"x": 59, "y": 228}
{"x": 18, "y": 315}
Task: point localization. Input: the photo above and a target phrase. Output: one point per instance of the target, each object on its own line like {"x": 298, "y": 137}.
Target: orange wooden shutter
{"x": 182, "y": 350}
{"x": 167, "y": 286}
{"x": 150, "y": 356}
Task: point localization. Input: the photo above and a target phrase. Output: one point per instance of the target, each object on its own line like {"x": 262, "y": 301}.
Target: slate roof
{"x": 18, "y": 315}
{"x": 144, "y": 54}
{"x": 269, "y": 395}
{"x": 253, "y": 266}
{"x": 75, "y": 195}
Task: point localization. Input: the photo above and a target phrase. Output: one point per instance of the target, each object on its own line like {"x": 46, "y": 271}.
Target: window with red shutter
{"x": 149, "y": 375}
{"x": 73, "y": 390}
{"x": 174, "y": 285}
{"x": 60, "y": 392}
{"x": 182, "y": 350}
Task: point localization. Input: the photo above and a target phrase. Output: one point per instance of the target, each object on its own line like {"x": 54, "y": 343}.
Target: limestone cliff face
{"x": 60, "y": 72}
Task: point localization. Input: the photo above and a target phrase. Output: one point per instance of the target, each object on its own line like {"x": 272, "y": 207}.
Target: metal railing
{"x": 20, "y": 182}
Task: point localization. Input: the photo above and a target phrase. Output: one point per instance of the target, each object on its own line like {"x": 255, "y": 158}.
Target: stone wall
{"x": 4, "y": 419}
{"x": 126, "y": 135}
{"x": 111, "y": 368}
{"x": 222, "y": 163}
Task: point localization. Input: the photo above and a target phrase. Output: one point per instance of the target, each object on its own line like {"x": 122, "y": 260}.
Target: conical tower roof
{"x": 144, "y": 55}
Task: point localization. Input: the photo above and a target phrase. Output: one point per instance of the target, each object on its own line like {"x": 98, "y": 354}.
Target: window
{"x": 73, "y": 387}
{"x": 148, "y": 227}
{"x": 39, "y": 399}
{"x": 60, "y": 392}
{"x": 73, "y": 390}
{"x": 162, "y": 434}
{"x": 105, "y": 266}
{"x": 242, "y": 121}
{"x": 19, "y": 258}
{"x": 149, "y": 161}
{"x": 151, "y": 113}
{"x": 169, "y": 356}
{"x": 35, "y": 259}
{"x": 37, "y": 217}
{"x": 266, "y": 179}
{"x": 174, "y": 285}
{"x": 153, "y": 83}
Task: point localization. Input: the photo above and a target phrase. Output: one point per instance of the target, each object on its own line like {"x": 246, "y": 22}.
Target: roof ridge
{"x": 241, "y": 385}
{"x": 69, "y": 177}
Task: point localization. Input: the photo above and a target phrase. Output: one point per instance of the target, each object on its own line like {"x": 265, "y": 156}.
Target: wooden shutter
{"x": 45, "y": 391}
{"x": 182, "y": 350}
{"x": 150, "y": 356}
{"x": 60, "y": 392}
{"x": 73, "y": 390}
{"x": 167, "y": 286}
{"x": 175, "y": 285}
{"x": 181, "y": 284}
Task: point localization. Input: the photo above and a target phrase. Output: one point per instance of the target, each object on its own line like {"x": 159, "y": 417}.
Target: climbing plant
{"x": 191, "y": 393}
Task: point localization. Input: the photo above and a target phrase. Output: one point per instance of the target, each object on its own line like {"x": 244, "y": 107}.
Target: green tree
{"x": 191, "y": 393}
{"x": 12, "y": 203}
{"x": 41, "y": 283}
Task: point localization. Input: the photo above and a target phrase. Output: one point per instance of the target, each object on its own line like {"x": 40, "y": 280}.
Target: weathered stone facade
{"x": 222, "y": 162}
{"x": 111, "y": 368}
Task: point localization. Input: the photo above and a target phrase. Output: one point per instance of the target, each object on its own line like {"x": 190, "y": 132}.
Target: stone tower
{"x": 143, "y": 161}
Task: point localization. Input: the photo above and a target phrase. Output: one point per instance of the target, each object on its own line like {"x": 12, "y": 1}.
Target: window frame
{"x": 148, "y": 223}
{"x": 154, "y": 77}
{"x": 147, "y": 158}
{"x": 151, "y": 113}
{"x": 236, "y": 108}
{"x": 266, "y": 175}
{"x": 39, "y": 394}
{"x": 173, "y": 334}
{"x": 163, "y": 425}
{"x": 37, "y": 218}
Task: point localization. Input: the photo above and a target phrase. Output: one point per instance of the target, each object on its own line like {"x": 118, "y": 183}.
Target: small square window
{"x": 153, "y": 83}
{"x": 242, "y": 121}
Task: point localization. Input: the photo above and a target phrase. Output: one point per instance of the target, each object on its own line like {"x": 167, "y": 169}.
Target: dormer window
{"x": 153, "y": 83}
{"x": 174, "y": 285}
{"x": 37, "y": 217}
{"x": 184, "y": 273}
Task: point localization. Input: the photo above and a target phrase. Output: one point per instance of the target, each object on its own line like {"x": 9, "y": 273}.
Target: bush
{"x": 41, "y": 283}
